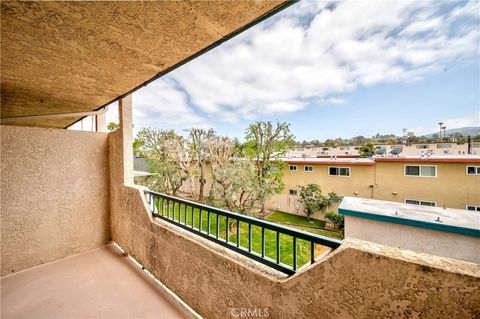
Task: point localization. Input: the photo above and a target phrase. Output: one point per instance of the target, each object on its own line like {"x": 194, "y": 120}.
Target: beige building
{"x": 452, "y": 181}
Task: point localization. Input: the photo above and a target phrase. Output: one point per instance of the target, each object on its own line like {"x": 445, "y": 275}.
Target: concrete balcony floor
{"x": 101, "y": 283}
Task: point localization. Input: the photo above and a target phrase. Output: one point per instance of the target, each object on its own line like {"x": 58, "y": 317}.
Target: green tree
{"x": 312, "y": 198}
{"x": 236, "y": 186}
{"x": 266, "y": 143}
{"x": 366, "y": 150}
{"x": 337, "y": 219}
{"x": 113, "y": 126}
{"x": 159, "y": 148}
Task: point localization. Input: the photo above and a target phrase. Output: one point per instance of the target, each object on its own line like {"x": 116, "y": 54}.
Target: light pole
{"x": 444, "y": 133}
{"x": 440, "y": 135}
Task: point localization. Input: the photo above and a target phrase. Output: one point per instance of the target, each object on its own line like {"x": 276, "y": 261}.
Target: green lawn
{"x": 286, "y": 241}
{"x": 285, "y": 218}
{"x": 299, "y": 221}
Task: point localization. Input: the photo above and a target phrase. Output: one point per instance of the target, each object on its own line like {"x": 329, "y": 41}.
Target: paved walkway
{"x": 101, "y": 283}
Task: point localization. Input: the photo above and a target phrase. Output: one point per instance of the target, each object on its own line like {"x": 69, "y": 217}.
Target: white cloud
{"x": 316, "y": 51}
{"x": 465, "y": 121}
{"x": 161, "y": 104}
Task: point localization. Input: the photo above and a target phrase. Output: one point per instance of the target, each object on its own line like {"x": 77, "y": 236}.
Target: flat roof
{"x": 452, "y": 220}
{"x": 340, "y": 160}
{"x": 328, "y": 161}
{"x": 432, "y": 158}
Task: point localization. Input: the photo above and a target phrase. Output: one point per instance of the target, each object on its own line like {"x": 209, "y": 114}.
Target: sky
{"x": 331, "y": 69}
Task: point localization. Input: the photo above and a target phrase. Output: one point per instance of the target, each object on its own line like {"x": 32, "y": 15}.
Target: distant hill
{"x": 472, "y": 130}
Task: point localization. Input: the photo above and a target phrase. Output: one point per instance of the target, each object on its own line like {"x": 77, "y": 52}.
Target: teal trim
{"x": 412, "y": 222}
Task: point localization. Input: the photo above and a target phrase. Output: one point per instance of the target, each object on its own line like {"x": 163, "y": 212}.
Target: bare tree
{"x": 185, "y": 160}
{"x": 199, "y": 145}
{"x": 221, "y": 150}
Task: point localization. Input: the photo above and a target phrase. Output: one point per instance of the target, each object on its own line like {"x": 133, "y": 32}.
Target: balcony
{"x": 80, "y": 240}
{"x": 214, "y": 278}
{"x": 100, "y": 283}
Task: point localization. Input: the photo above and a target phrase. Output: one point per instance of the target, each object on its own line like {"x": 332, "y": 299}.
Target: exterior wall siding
{"x": 54, "y": 195}
{"x": 452, "y": 187}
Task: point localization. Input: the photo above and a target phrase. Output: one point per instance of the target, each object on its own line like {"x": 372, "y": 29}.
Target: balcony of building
{"x": 80, "y": 240}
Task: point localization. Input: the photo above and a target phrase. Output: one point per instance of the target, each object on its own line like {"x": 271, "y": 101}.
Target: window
{"x": 325, "y": 149}
{"x": 293, "y": 192}
{"x": 420, "y": 202}
{"x": 293, "y": 168}
{"x": 308, "y": 168}
{"x": 444, "y": 145}
{"x": 344, "y": 148}
{"x": 422, "y": 146}
{"x": 473, "y": 208}
{"x": 339, "y": 171}
{"x": 421, "y": 170}
{"x": 473, "y": 170}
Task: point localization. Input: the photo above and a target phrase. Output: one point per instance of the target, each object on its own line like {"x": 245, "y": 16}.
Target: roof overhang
{"x": 73, "y": 57}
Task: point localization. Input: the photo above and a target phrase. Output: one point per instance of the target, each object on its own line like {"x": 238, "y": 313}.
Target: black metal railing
{"x": 280, "y": 247}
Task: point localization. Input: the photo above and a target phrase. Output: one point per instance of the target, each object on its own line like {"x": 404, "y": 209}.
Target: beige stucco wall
{"x": 358, "y": 280}
{"x": 452, "y": 187}
{"x": 429, "y": 241}
{"x": 361, "y": 177}
{"x": 359, "y": 180}
{"x": 54, "y": 194}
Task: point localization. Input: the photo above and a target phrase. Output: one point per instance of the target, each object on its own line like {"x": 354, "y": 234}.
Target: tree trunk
{"x": 263, "y": 210}
{"x": 192, "y": 185}
{"x": 202, "y": 182}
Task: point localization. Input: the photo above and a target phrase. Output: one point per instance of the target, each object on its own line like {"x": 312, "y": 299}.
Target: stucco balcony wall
{"x": 54, "y": 195}
{"x": 358, "y": 280}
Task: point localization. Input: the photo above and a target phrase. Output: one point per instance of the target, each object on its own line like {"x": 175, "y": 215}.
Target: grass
{"x": 285, "y": 218}
{"x": 299, "y": 221}
{"x": 286, "y": 241}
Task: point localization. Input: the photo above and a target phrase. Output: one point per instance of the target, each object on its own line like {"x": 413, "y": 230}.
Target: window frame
{"x": 292, "y": 170}
{"x": 293, "y": 190}
{"x": 420, "y": 202}
{"x": 477, "y": 170}
{"x": 420, "y": 171}
{"x": 308, "y": 171}
{"x": 476, "y": 208}
{"x": 422, "y": 146}
{"x": 445, "y": 145}
{"x": 339, "y": 167}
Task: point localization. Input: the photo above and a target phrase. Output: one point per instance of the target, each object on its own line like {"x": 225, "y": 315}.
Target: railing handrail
{"x": 157, "y": 208}
{"x": 318, "y": 239}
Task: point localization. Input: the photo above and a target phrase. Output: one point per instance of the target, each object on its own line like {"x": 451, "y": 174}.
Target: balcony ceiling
{"x": 68, "y": 57}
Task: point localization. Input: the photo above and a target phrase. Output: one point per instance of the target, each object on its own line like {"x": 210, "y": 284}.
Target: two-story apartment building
{"x": 450, "y": 181}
